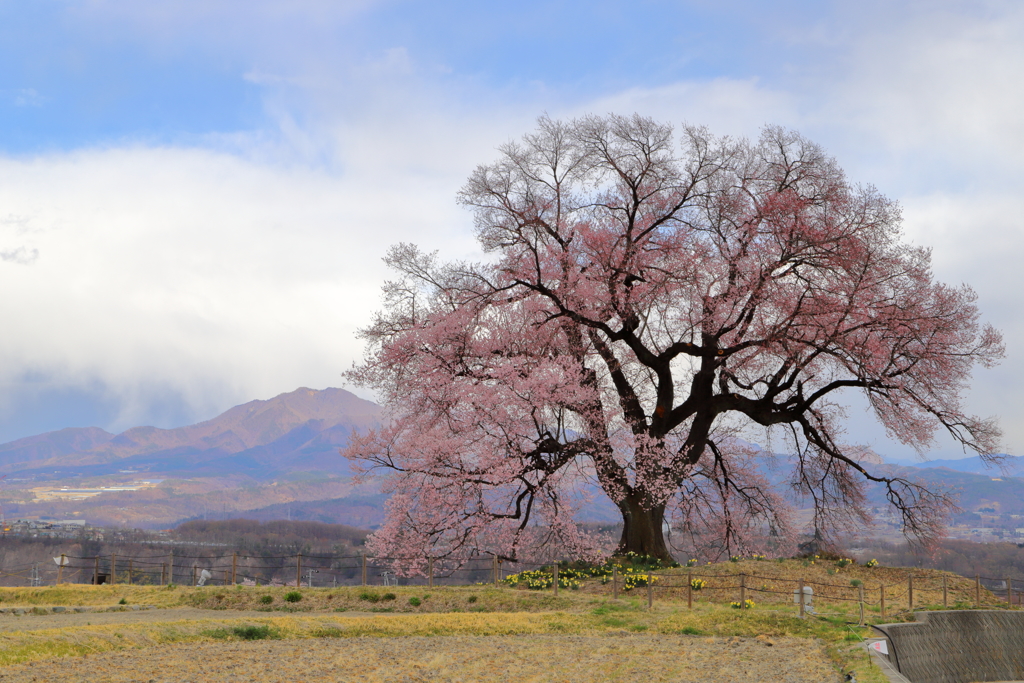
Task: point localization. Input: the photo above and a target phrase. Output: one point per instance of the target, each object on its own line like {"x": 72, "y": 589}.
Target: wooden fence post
{"x": 800, "y": 598}
{"x": 234, "y": 567}
{"x": 96, "y": 571}
{"x": 860, "y": 595}
{"x": 910, "y": 591}
{"x": 364, "y": 569}
{"x": 494, "y": 569}
{"x": 298, "y": 571}
{"x": 194, "y": 574}
{"x": 170, "y": 568}
{"x": 1009, "y": 593}
{"x": 163, "y": 573}
{"x": 131, "y": 566}
{"x": 689, "y": 589}
{"x": 555, "y": 582}
{"x": 743, "y": 589}
{"x": 113, "y": 568}
{"x": 945, "y": 593}
{"x": 977, "y": 590}
{"x": 430, "y": 572}
{"x": 881, "y": 595}
{"x": 650, "y": 590}
{"x": 60, "y": 570}
{"x": 615, "y": 582}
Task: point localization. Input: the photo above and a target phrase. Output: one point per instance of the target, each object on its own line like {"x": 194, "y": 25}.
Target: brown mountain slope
{"x": 288, "y": 421}
{"x": 53, "y": 444}
{"x": 251, "y": 424}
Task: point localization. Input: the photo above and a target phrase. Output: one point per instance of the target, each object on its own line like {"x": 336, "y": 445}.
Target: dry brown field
{"x": 469, "y": 633}
{"x": 617, "y": 657}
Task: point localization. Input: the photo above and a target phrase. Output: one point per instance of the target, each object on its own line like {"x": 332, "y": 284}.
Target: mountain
{"x": 53, "y": 444}
{"x": 1012, "y": 465}
{"x": 991, "y": 490}
{"x": 297, "y": 431}
{"x": 279, "y": 458}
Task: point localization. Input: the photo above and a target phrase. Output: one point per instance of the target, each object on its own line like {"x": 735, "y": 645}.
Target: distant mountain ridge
{"x": 1011, "y": 465}
{"x": 294, "y": 438}
{"x": 53, "y": 444}
{"x": 296, "y": 431}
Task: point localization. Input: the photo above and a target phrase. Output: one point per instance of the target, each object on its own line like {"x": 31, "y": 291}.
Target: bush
{"x": 856, "y": 582}
{"x": 122, "y": 601}
{"x": 698, "y": 584}
{"x": 266, "y": 599}
{"x": 253, "y": 632}
{"x": 415, "y": 602}
{"x": 388, "y": 596}
{"x": 292, "y": 596}
{"x": 472, "y": 598}
{"x": 369, "y": 596}
{"x": 746, "y": 604}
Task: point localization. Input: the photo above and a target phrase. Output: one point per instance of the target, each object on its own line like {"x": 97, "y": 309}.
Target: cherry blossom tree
{"x": 646, "y": 306}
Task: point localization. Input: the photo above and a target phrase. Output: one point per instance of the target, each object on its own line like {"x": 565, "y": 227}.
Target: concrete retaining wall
{"x": 959, "y": 647}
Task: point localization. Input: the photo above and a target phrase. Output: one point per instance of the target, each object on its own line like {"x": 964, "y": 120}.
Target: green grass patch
{"x": 250, "y": 632}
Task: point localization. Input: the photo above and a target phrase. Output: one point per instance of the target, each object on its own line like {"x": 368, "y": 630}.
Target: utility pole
{"x": 309, "y": 577}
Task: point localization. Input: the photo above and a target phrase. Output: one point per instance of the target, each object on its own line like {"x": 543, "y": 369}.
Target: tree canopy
{"x": 649, "y": 306}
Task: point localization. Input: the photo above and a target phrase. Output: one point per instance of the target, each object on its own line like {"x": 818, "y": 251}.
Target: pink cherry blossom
{"x": 647, "y": 309}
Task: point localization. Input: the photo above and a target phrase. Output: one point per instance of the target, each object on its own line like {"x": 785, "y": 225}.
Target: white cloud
{"x": 934, "y": 85}
{"x": 727, "y": 106}
{"x": 23, "y": 97}
{"x": 20, "y": 255}
{"x": 215, "y": 277}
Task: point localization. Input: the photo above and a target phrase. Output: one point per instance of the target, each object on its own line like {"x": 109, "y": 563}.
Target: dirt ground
{"x": 612, "y": 657}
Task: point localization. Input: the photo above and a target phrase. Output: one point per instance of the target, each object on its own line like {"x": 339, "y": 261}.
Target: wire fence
{"x": 885, "y": 598}
{"x": 692, "y": 585}
{"x": 244, "y": 569}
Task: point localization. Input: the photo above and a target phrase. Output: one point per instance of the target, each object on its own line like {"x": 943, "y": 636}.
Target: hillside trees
{"x": 644, "y": 305}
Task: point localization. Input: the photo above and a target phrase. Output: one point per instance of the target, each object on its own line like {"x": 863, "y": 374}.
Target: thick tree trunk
{"x": 643, "y": 530}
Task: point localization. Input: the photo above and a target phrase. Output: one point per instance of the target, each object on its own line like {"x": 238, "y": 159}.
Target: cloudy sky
{"x": 195, "y": 195}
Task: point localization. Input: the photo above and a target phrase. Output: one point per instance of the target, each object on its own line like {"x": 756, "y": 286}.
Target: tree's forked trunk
{"x": 643, "y": 530}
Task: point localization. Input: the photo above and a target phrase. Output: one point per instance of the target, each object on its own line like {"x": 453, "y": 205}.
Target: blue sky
{"x": 91, "y": 73}
{"x": 194, "y": 196}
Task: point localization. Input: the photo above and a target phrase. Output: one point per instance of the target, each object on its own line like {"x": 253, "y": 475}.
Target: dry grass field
{"x": 469, "y": 633}
{"x": 562, "y": 658}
